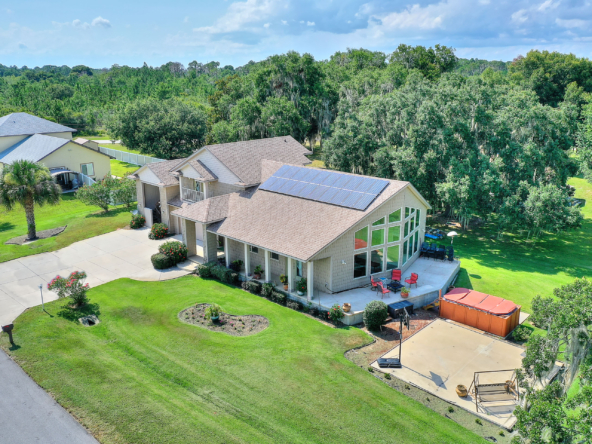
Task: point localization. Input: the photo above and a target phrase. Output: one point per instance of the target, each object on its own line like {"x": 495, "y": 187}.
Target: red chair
{"x": 374, "y": 283}
{"x": 383, "y": 290}
{"x": 396, "y": 276}
{"x": 413, "y": 279}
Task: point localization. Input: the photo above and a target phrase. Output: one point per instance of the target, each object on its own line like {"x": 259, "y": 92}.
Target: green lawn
{"x": 122, "y": 169}
{"x": 83, "y": 221}
{"x": 517, "y": 269}
{"x": 142, "y": 376}
{"x": 120, "y": 147}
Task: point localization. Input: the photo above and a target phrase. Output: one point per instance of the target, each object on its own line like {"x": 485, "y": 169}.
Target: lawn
{"x": 122, "y": 169}
{"x": 519, "y": 269}
{"x": 142, "y": 376}
{"x": 120, "y": 147}
{"x": 83, "y": 221}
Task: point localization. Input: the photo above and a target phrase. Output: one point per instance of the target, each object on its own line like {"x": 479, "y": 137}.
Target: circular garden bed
{"x": 244, "y": 325}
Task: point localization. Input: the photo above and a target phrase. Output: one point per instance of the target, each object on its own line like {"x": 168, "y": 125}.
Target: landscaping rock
{"x": 89, "y": 321}
{"x": 244, "y": 325}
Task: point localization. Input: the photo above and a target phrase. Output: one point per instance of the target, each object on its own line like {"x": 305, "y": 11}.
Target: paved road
{"x": 29, "y": 415}
{"x": 121, "y": 253}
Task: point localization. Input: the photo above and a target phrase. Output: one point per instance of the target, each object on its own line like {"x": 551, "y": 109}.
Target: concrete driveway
{"x": 121, "y": 253}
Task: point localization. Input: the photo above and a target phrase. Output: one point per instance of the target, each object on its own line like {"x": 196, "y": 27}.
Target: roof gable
{"x": 22, "y": 124}
{"x": 33, "y": 148}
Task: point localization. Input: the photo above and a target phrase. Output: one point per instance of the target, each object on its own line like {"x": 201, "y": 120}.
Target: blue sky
{"x": 100, "y": 34}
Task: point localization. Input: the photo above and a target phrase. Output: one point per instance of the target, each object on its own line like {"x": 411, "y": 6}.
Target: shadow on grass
{"x": 72, "y": 314}
{"x": 6, "y": 226}
{"x": 111, "y": 213}
{"x": 464, "y": 279}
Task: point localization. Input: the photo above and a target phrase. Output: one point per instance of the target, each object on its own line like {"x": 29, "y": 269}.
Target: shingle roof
{"x": 244, "y": 158}
{"x": 33, "y": 148}
{"x": 289, "y": 225}
{"x": 20, "y": 124}
{"x": 204, "y": 171}
{"x": 206, "y": 211}
{"x": 162, "y": 171}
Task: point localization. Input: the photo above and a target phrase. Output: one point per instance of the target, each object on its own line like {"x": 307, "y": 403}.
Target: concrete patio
{"x": 122, "y": 253}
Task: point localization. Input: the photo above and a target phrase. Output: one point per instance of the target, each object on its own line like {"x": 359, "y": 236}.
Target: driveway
{"x": 29, "y": 415}
{"x": 121, "y": 253}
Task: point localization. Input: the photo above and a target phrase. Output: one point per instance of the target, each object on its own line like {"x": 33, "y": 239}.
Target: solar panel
{"x": 329, "y": 187}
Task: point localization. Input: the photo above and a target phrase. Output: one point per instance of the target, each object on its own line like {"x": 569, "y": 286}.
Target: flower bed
{"x": 233, "y": 325}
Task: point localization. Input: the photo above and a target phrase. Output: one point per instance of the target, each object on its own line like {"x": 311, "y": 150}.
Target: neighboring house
{"x": 258, "y": 201}
{"x": 88, "y": 143}
{"x": 23, "y": 136}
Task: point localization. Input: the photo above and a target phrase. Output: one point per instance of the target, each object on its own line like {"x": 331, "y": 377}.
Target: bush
{"x": 294, "y": 305}
{"x": 375, "y": 314}
{"x": 98, "y": 194}
{"x": 267, "y": 289}
{"x": 278, "y": 297}
{"x": 236, "y": 265}
{"x": 158, "y": 231}
{"x": 253, "y": 287}
{"x": 160, "y": 261}
{"x": 521, "y": 333}
{"x": 175, "y": 250}
{"x": 138, "y": 221}
{"x": 223, "y": 274}
{"x": 313, "y": 311}
{"x": 213, "y": 311}
{"x": 73, "y": 287}
{"x": 205, "y": 270}
{"x": 301, "y": 285}
{"x": 336, "y": 313}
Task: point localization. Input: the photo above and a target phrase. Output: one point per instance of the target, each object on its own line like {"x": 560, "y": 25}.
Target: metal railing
{"x": 124, "y": 156}
{"x": 191, "y": 195}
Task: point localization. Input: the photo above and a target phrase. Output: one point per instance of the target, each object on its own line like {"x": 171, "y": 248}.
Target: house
{"x": 87, "y": 143}
{"x": 257, "y": 201}
{"x": 23, "y": 136}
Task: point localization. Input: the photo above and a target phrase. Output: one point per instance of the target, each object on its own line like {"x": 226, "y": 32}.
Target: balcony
{"x": 189, "y": 195}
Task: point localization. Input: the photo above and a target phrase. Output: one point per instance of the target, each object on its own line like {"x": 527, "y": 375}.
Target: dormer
{"x": 194, "y": 178}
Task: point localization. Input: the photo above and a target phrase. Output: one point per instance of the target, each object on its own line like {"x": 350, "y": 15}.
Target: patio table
{"x": 394, "y": 286}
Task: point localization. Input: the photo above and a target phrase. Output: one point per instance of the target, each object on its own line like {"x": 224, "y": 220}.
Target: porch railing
{"x": 191, "y": 195}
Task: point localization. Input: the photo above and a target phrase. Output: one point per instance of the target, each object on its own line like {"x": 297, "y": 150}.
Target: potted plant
{"x": 213, "y": 312}
{"x": 461, "y": 391}
{"x": 404, "y": 292}
{"x": 346, "y": 307}
{"x": 236, "y": 265}
{"x": 301, "y": 287}
{"x": 257, "y": 272}
{"x": 284, "y": 280}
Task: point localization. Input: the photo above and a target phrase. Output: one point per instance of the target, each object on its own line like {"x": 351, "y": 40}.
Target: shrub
{"x": 313, "y": 311}
{"x": 205, "y": 270}
{"x": 478, "y": 421}
{"x": 375, "y": 314}
{"x": 521, "y": 333}
{"x": 301, "y": 285}
{"x": 258, "y": 270}
{"x": 294, "y": 305}
{"x": 236, "y": 265}
{"x": 278, "y": 297}
{"x": 213, "y": 311}
{"x": 97, "y": 194}
{"x": 73, "y": 287}
{"x": 159, "y": 231}
{"x": 223, "y": 274}
{"x": 267, "y": 289}
{"x": 387, "y": 376}
{"x": 253, "y": 287}
{"x": 138, "y": 221}
{"x": 336, "y": 313}
{"x": 370, "y": 369}
{"x": 161, "y": 261}
{"x": 450, "y": 409}
{"x": 283, "y": 279}
{"x": 175, "y": 250}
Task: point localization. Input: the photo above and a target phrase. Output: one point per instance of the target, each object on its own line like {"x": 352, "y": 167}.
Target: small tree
{"x": 124, "y": 192}
{"x": 73, "y": 287}
{"x": 98, "y": 194}
{"x": 375, "y": 314}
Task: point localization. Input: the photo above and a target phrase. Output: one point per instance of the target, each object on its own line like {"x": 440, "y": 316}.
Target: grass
{"x": 120, "y": 147}
{"x": 122, "y": 169}
{"x": 83, "y": 221}
{"x": 143, "y": 376}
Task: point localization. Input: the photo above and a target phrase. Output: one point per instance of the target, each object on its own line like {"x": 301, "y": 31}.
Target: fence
{"x": 124, "y": 156}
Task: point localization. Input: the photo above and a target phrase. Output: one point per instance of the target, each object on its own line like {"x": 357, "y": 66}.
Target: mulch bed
{"x": 244, "y": 325}
{"x": 20, "y": 240}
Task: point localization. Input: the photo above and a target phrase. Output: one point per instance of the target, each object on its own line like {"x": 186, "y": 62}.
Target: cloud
{"x": 572, "y": 23}
{"x": 310, "y": 23}
{"x": 241, "y": 16}
{"x": 186, "y": 20}
{"x": 101, "y": 22}
{"x": 548, "y": 4}
{"x": 284, "y": 22}
{"x": 266, "y": 25}
{"x": 21, "y": 46}
{"x": 520, "y": 16}
{"x": 414, "y": 17}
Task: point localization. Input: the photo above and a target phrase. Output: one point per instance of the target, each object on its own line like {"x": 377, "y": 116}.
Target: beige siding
{"x": 224, "y": 174}
{"x": 219, "y": 188}
{"x": 341, "y": 252}
{"x": 8, "y": 141}
{"x": 64, "y": 135}
{"x": 146, "y": 175}
{"x": 72, "y": 156}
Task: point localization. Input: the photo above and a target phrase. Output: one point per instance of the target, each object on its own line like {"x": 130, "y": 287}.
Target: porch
{"x": 70, "y": 180}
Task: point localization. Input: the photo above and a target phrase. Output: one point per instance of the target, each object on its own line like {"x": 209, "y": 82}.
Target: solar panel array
{"x": 329, "y": 187}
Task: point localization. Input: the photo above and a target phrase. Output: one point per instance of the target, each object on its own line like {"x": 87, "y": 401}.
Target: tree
{"x": 432, "y": 62}
{"x": 28, "y": 184}
{"x": 124, "y": 191}
{"x": 584, "y": 143}
{"x": 168, "y": 129}
{"x": 98, "y": 194}
{"x": 280, "y": 118}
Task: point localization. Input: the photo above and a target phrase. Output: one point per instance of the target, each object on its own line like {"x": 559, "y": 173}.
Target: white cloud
{"x": 573, "y": 23}
{"x": 266, "y": 25}
{"x": 284, "y": 22}
{"x": 310, "y": 23}
{"x": 548, "y": 4}
{"x": 241, "y": 15}
{"x": 484, "y": 2}
{"x": 520, "y": 16}
{"x": 80, "y": 24}
{"x": 186, "y": 20}
{"x": 100, "y": 21}
{"x": 415, "y": 17}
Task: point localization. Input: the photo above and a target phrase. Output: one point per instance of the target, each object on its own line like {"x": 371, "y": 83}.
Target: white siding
{"x": 7, "y": 141}
{"x": 217, "y": 167}
{"x": 60, "y": 135}
{"x": 146, "y": 175}
{"x": 189, "y": 171}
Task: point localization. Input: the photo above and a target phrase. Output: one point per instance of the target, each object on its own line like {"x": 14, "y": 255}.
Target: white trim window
{"x": 87, "y": 169}
{"x": 253, "y": 249}
{"x": 274, "y": 256}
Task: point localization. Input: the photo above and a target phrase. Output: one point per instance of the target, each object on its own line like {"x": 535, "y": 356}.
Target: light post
{"x": 41, "y": 291}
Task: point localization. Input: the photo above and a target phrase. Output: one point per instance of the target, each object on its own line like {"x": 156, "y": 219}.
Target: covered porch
{"x": 70, "y": 180}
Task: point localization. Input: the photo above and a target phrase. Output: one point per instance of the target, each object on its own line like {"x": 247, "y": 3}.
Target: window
{"x": 412, "y": 225}
{"x": 376, "y": 261}
{"x": 392, "y": 257}
{"x": 254, "y": 249}
{"x": 406, "y": 229}
{"x": 405, "y": 252}
{"x": 378, "y": 237}
{"x": 407, "y": 212}
{"x": 415, "y": 242}
{"x": 378, "y": 222}
{"x": 298, "y": 268}
{"x": 417, "y": 216}
{"x": 197, "y": 186}
{"x": 394, "y": 234}
{"x": 395, "y": 216}
{"x": 361, "y": 238}
{"x": 360, "y": 261}
{"x": 275, "y": 256}
{"x": 88, "y": 169}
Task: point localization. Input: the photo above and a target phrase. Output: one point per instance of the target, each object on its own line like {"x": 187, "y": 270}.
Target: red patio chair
{"x": 374, "y": 283}
{"x": 396, "y": 276}
{"x": 413, "y": 279}
{"x": 383, "y": 290}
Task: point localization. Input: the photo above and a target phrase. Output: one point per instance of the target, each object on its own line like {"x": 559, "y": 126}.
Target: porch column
{"x": 226, "y": 252}
{"x": 309, "y": 279}
{"x": 247, "y": 261}
{"x": 189, "y": 236}
{"x": 290, "y": 283}
{"x": 267, "y": 270}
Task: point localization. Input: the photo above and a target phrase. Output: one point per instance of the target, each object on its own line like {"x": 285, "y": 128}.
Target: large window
{"x": 392, "y": 257}
{"x": 417, "y": 216}
{"x": 376, "y": 261}
{"x": 377, "y": 237}
{"x": 88, "y": 169}
{"x": 361, "y": 238}
{"x": 405, "y": 252}
{"x": 394, "y": 234}
{"x": 395, "y": 216}
{"x": 360, "y": 262}
{"x": 378, "y": 222}
{"x": 299, "y": 268}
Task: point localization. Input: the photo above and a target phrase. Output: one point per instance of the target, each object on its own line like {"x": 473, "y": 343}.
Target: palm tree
{"x": 28, "y": 183}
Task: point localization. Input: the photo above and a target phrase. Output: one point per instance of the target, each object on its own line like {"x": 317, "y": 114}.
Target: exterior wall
{"x": 140, "y": 196}
{"x": 219, "y": 188}
{"x": 72, "y": 156}
{"x": 147, "y": 176}
{"x": 64, "y": 135}
{"x": 92, "y": 145}
{"x": 151, "y": 196}
{"x": 322, "y": 274}
{"x": 224, "y": 174}
{"x": 210, "y": 247}
{"x": 236, "y": 250}
{"x": 277, "y": 268}
{"x": 341, "y": 252}
{"x": 166, "y": 194}
{"x": 8, "y": 141}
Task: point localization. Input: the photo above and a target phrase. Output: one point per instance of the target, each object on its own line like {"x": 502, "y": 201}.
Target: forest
{"x": 477, "y": 138}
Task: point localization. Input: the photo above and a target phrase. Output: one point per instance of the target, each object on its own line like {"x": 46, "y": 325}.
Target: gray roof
{"x": 33, "y": 148}
{"x": 206, "y": 211}
{"x": 23, "y": 124}
{"x": 162, "y": 171}
{"x": 244, "y": 158}
{"x": 206, "y": 174}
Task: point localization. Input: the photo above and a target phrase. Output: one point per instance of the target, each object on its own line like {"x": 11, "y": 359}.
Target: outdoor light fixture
{"x": 343, "y": 262}
{"x": 451, "y": 236}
